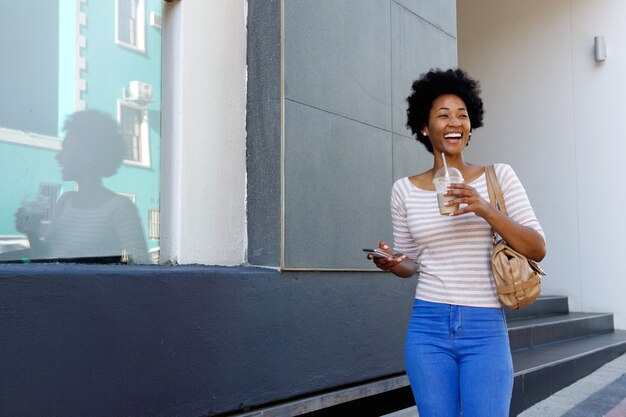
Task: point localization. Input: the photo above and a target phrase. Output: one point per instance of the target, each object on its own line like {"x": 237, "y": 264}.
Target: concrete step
{"x": 543, "y": 370}
{"x": 535, "y": 331}
{"x": 544, "y": 305}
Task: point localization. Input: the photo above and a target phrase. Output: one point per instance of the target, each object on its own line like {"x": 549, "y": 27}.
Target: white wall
{"x": 554, "y": 114}
{"x": 204, "y": 107}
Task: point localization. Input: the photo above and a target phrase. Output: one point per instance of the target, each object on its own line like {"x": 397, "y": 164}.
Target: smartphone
{"x": 377, "y": 253}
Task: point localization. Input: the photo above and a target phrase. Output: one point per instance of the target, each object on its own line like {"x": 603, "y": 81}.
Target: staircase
{"x": 552, "y": 348}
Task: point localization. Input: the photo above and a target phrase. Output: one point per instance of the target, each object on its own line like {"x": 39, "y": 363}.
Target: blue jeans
{"x": 458, "y": 360}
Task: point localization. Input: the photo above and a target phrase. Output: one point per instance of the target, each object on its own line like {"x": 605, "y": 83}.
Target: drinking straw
{"x": 445, "y": 165}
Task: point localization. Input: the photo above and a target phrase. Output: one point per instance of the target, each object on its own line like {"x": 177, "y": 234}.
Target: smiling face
{"x": 449, "y": 125}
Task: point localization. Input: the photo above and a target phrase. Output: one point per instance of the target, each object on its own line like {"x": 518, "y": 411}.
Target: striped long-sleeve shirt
{"x": 110, "y": 229}
{"x": 453, "y": 254}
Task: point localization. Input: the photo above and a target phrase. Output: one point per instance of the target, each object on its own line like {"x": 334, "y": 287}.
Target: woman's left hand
{"x": 466, "y": 194}
{"x": 521, "y": 238}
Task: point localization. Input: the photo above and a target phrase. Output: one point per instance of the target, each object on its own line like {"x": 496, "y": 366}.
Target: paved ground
{"x": 409, "y": 412}
{"x": 601, "y": 394}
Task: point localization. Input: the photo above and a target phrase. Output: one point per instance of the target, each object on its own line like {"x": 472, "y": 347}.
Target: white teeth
{"x": 452, "y": 135}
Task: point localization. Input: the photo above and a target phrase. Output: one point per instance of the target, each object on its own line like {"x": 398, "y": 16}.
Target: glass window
{"x": 154, "y": 224}
{"x": 131, "y": 23}
{"x": 80, "y": 131}
{"x": 134, "y": 125}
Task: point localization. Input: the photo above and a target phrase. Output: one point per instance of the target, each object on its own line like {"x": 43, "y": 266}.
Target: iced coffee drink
{"x": 443, "y": 178}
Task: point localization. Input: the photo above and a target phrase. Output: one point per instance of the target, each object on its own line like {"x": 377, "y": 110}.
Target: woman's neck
{"x": 90, "y": 184}
{"x": 455, "y": 161}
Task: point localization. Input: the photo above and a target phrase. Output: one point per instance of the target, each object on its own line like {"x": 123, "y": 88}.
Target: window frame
{"x": 140, "y": 25}
{"x": 30, "y": 139}
{"x": 144, "y": 131}
{"x": 154, "y": 224}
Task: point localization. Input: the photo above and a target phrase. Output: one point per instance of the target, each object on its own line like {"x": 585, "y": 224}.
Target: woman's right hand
{"x": 386, "y": 264}
{"x": 29, "y": 223}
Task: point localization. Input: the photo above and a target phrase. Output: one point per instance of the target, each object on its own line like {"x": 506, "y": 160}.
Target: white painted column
{"x": 203, "y": 179}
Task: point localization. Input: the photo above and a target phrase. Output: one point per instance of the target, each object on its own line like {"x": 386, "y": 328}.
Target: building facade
{"x": 282, "y": 132}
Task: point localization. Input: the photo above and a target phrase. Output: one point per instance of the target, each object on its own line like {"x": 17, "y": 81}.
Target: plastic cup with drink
{"x": 33, "y": 210}
{"x": 443, "y": 178}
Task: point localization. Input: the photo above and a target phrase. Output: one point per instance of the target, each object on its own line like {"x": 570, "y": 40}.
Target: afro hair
{"x": 435, "y": 83}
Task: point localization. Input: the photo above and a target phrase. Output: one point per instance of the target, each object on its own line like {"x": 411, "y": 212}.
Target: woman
{"x": 457, "y": 349}
{"x": 92, "y": 222}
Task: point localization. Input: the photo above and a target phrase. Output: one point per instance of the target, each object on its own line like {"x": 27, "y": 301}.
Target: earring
{"x": 424, "y": 133}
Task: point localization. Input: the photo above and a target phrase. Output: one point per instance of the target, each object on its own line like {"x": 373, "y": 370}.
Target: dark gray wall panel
{"x": 263, "y": 51}
{"x": 263, "y": 168}
{"x": 352, "y": 59}
{"x": 409, "y": 157}
{"x": 337, "y": 187}
{"x": 337, "y": 57}
{"x": 263, "y": 158}
{"x": 440, "y": 13}
{"x": 119, "y": 341}
{"x": 416, "y": 46}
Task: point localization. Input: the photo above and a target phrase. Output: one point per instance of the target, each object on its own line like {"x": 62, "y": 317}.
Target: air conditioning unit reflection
{"x": 156, "y": 20}
{"x": 139, "y": 91}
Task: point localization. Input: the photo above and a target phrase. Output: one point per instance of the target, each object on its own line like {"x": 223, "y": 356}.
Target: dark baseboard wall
{"x": 190, "y": 341}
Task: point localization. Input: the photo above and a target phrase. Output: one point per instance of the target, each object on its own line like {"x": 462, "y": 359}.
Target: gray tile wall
{"x": 348, "y": 65}
{"x": 417, "y": 46}
{"x": 336, "y": 188}
{"x": 439, "y": 13}
{"x": 337, "y": 57}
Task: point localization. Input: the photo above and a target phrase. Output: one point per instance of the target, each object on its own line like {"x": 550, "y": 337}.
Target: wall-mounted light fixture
{"x": 599, "y": 48}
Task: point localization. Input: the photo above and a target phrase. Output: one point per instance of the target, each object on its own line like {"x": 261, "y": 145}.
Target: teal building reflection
{"x": 62, "y": 57}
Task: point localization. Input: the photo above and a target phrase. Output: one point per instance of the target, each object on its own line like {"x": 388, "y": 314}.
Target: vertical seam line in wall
{"x": 391, "y": 83}
{"x": 282, "y": 134}
{"x": 575, "y": 147}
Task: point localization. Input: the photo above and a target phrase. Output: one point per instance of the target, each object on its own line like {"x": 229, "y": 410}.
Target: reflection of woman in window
{"x": 92, "y": 221}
